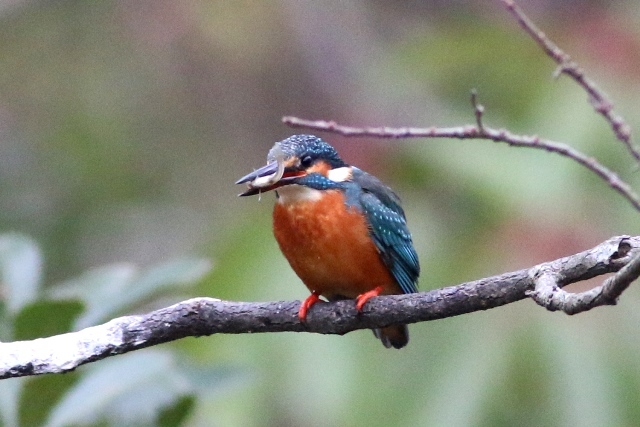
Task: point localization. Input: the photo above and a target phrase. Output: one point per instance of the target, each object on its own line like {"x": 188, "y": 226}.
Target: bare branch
{"x": 566, "y": 65}
{"x": 207, "y": 316}
{"x": 548, "y": 293}
{"x": 474, "y": 132}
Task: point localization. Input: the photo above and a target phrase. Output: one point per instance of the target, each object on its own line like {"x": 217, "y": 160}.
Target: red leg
{"x": 306, "y": 305}
{"x": 363, "y": 298}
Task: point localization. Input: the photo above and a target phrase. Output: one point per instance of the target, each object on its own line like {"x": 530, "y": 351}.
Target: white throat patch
{"x": 297, "y": 193}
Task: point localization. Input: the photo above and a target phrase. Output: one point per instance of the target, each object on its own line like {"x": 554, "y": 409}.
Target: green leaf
{"x": 126, "y": 390}
{"x": 20, "y": 270}
{"x": 101, "y": 290}
{"x": 46, "y": 318}
{"x": 166, "y": 276}
{"x": 133, "y": 389}
{"x": 174, "y": 415}
{"x": 110, "y": 290}
{"x": 6, "y": 325}
{"x": 46, "y": 390}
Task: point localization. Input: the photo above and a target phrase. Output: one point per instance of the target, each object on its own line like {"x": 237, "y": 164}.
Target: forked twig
{"x": 475, "y": 132}
{"x": 568, "y": 66}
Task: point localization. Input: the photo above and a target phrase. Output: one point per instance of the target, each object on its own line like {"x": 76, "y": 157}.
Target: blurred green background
{"x": 123, "y": 125}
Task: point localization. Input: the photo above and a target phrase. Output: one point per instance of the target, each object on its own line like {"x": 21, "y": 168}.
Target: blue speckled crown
{"x": 306, "y": 145}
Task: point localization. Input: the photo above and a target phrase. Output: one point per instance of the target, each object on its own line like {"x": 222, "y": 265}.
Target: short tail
{"x": 396, "y": 336}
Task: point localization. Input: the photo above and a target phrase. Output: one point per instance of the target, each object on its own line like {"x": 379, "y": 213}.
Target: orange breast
{"x": 329, "y": 248}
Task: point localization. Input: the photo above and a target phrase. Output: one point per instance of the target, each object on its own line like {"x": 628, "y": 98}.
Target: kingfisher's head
{"x": 292, "y": 159}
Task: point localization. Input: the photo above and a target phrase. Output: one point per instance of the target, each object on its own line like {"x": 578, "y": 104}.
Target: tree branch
{"x": 598, "y": 99}
{"x": 600, "y": 102}
{"x": 543, "y": 283}
{"x": 206, "y": 316}
{"x": 476, "y": 132}
{"x": 548, "y": 292}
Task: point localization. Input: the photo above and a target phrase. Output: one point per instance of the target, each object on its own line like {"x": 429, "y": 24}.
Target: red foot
{"x": 363, "y": 298}
{"x": 306, "y": 305}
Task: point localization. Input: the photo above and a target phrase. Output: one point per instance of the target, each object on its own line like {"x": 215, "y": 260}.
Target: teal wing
{"x": 388, "y": 227}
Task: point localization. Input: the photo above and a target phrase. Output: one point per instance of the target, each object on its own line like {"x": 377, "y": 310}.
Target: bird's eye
{"x": 306, "y": 161}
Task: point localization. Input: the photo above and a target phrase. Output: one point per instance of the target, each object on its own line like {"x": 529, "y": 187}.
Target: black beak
{"x": 266, "y": 170}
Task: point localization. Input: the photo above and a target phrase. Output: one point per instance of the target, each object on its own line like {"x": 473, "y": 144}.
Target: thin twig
{"x": 478, "y": 109}
{"x": 566, "y": 65}
{"x": 473, "y": 132}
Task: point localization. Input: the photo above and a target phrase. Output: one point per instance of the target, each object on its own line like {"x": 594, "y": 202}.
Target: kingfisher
{"x": 342, "y": 230}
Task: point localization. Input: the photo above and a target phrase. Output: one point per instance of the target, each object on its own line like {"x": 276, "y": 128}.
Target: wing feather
{"x": 388, "y": 228}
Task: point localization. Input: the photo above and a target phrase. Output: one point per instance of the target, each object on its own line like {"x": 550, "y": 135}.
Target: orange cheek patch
{"x": 320, "y": 167}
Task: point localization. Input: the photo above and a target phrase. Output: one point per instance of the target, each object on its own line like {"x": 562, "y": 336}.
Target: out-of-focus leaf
{"x": 166, "y": 276}
{"x": 174, "y": 415}
{"x": 102, "y": 291}
{"x": 109, "y": 291}
{"x": 126, "y": 390}
{"x": 5, "y": 322}
{"x": 133, "y": 389}
{"x": 46, "y": 390}
{"x": 9, "y": 395}
{"x": 20, "y": 270}
{"x": 45, "y": 318}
